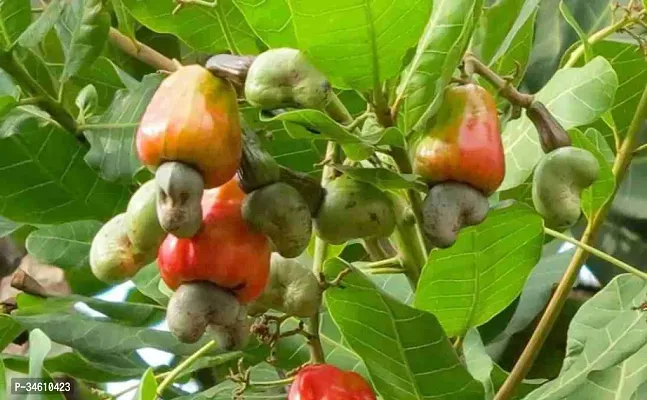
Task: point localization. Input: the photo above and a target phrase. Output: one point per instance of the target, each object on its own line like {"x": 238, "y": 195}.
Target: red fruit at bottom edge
{"x": 327, "y": 382}
{"x": 225, "y": 251}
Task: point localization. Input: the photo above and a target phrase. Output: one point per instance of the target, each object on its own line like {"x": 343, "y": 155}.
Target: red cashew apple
{"x": 225, "y": 251}
{"x": 327, "y": 382}
{"x": 193, "y": 118}
{"x": 464, "y": 145}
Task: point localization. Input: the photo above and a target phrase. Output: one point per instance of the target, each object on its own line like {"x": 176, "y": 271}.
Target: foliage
{"x": 418, "y": 323}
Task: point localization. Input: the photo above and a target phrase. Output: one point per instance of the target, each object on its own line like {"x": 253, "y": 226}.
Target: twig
{"x": 556, "y": 304}
{"x": 505, "y": 88}
{"x": 24, "y": 282}
{"x": 606, "y": 257}
{"x": 168, "y": 380}
{"x": 393, "y": 262}
{"x": 141, "y": 52}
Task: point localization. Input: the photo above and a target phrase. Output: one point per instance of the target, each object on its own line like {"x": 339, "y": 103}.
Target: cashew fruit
{"x": 257, "y": 167}
{"x": 225, "y": 251}
{"x": 280, "y": 78}
{"x": 557, "y": 184}
{"x": 280, "y": 213}
{"x": 179, "y": 198}
{"x": 291, "y": 288}
{"x": 142, "y": 224}
{"x": 464, "y": 144}
{"x": 449, "y": 207}
{"x": 193, "y": 118}
{"x": 327, "y": 382}
{"x": 354, "y": 210}
{"x": 113, "y": 258}
{"x": 551, "y": 133}
{"x": 195, "y": 306}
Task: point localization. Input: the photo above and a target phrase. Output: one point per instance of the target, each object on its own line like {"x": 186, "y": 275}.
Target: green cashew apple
{"x": 113, "y": 258}
{"x": 557, "y": 184}
{"x": 280, "y": 213}
{"x": 195, "y": 306}
{"x": 354, "y": 210}
{"x": 449, "y": 207}
{"x": 142, "y": 223}
{"x": 280, "y": 78}
{"x": 292, "y": 289}
{"x": 179, "y": 195}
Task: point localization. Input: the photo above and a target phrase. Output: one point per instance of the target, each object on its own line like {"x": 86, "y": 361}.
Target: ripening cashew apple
{"x": 449, "y": 207}
{"x": 225, "y": 251}
{"x": 193, "y": 118}
{"x": 196, "y": 306}
{"x": 179, "y": 198}
{"x": 142, "y": 222}
{"x": 291, "y": 288}
{"x": 279, "y": 212}
{"x": 283, "y": 77}
{"x": 113, "y": 258}
{"x": 557, "y": 184}
{"x": 327, "y": 382}
{"x": 354, "y": 210}
{"x": 464, "y": 145}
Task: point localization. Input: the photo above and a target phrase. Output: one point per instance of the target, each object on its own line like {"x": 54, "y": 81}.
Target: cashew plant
{"x": 312, "y": 200}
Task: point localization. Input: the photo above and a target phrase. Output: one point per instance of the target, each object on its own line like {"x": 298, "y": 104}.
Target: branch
{"x": 556, "y": 304}
{"x": 606, "y": 257}
{"x": 141, "y": 52}
{"x": 505, "y": 88}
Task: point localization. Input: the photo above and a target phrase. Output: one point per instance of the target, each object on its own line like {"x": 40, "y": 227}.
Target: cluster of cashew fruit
{"x": 562, "y": 174}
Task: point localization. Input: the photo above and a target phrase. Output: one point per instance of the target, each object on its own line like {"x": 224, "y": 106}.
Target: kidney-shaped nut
{"x": 179, "y": 195}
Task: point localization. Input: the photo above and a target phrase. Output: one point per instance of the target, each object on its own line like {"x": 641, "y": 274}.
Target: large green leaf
{"x": 369, "y": 38}
{"x": 553, "y": 35}
{"x": 83, "y": 30}
{"x": 439, "y": 52}
{"x": 205, "y": 29}
{"x": 595, "y": 196}
{"x": 44, "y": 178}
{"x": 67, "y": 246}
{"x": 37, "y": 31}
{"x": 15, "y": 17}
{"x": 606, "y": 331}
{"x": 628, "y": 60}
{"x": 89, "y": 367}
{"x": 112, "y": 139}
{"x": 467, "y": 284}
{"x": 277, "y": 31}
{"x": 575, "y": 96}
{"x": 534, "y": 297}
{"x": 405, "y": 350}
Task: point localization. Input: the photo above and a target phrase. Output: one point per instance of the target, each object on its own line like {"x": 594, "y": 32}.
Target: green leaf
{"x": 584, "y": 39}
{"x": 6, "y": 104}
{"x": 404, "y": 349}
{"x": 575, "y": 96}
{"x": 125, "y": 21}
{"x": 439, "y": 52}
{"x": 7, "y": 86}
{"x": 277, "y": 31}
{"x": 37, "y": 31}
{"x": 15, "y": 17}
{"x": 88, "y": 367}
{"x": 628, "y": 61}
{"x": 39, "y": 347}
{"x": 369, "y": 38}
{"x": 147, "y": 389}
{"x": 384, "y": 178}
{"x": 87, "y": 100}
{"x": 83, "y": 31}
{"x": 534, "y": 297}
{"x": 605, "y": 332}
{"x": 9, "y": 330}
{"x": 3, "y": 378}
{"x": 467, "y": 284}
{"x": 36, "y": 67}
{"x": 67, "y": 246}
{"x": 595, "y": 196}
{"x": 7, "y": 227}
{"x": 112, "y": 138}
{"x": 147, "y": 281}
{"x": 205, "y": 29}
{"x": 44, "y": 178}
{"x": 314, "y": 124}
